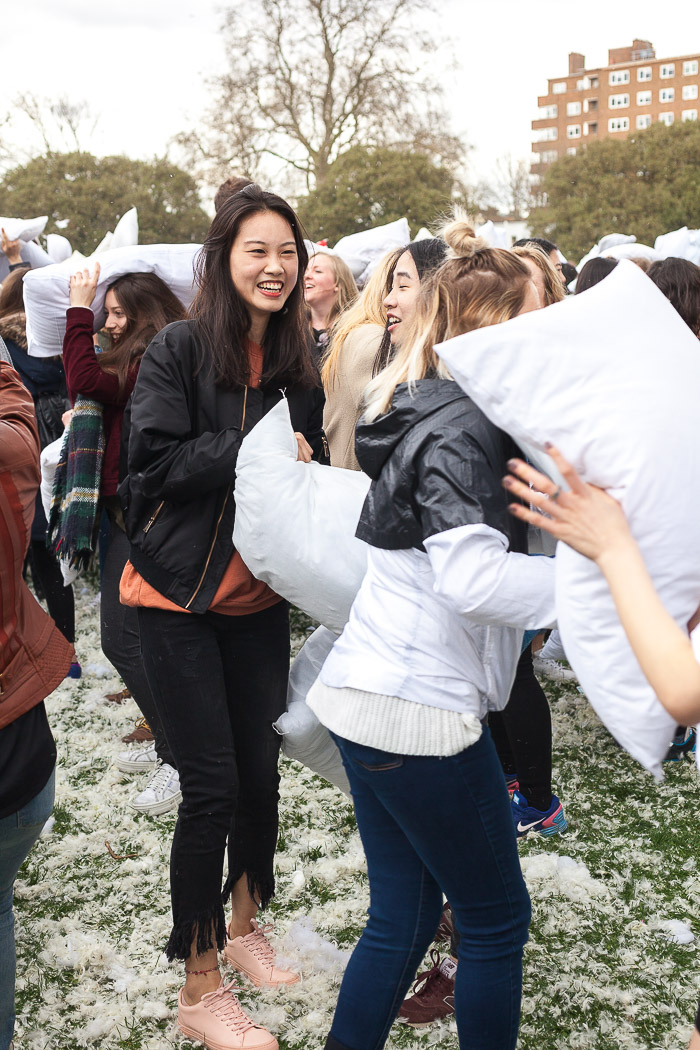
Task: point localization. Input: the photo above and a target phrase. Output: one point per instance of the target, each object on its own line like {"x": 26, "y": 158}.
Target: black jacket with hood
{"x": 184, "y": 437}
{"x": 436, "y": 463}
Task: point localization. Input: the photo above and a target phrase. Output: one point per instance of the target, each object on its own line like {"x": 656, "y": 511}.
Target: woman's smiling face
{"x": 264, "y": 264}
{"x": 400, "y": 303}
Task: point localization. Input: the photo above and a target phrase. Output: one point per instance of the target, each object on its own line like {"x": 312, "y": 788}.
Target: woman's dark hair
{"x": 540, "y": 242}
{"x": 12, "y": 293}
{"x": 222, "y": 317}
{"x": 427, "y": 255}
{"x": 593, "y": 272}
{"x": 148, "y": 305}
{"x": 679, "y": 280}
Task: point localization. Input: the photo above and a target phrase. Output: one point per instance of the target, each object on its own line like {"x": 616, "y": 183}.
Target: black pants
{"x": 48, "y": 579}
{"x": 219, "y": 682}
{"x": 522, "y": 733}
{"x": 121, "y": 641}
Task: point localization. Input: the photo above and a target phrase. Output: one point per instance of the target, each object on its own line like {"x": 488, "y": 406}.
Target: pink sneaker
{"x": 219, "y": 1021}
{"x": 254, "y": 956}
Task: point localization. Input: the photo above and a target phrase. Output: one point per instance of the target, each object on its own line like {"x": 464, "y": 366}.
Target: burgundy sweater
{"x": 84, "y": 376}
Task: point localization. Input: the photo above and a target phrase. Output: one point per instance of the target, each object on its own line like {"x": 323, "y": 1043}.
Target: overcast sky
{"x": 142, "y": 64}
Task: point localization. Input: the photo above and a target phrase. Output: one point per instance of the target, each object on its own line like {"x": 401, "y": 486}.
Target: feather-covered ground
{"x": 601, "y": 971}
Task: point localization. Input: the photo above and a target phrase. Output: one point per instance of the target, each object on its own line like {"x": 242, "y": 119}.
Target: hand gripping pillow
{"x": 47, "y": 290}
{"x": 303, "y": 736}
{"x": 613, "y": 378}
{"x": 295, "y": 522}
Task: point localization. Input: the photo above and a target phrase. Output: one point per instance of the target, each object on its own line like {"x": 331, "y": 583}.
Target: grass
{"x": 599, "y": 972}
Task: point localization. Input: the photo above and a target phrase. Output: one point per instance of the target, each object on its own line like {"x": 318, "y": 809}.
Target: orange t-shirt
{"x": 238, "y": 593}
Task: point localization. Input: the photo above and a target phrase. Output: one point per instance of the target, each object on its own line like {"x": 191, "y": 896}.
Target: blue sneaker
{"x": 75, "y": 670}
{"x": 682, "y": 744}
{"x": 526, "y": 818}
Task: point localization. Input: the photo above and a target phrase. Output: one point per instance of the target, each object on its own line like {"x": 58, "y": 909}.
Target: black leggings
{"x": 48, "y": 579}
{"x": 219, "y": 682}
{"x": 522, "y": 733}
{"x": 120, "y": 639}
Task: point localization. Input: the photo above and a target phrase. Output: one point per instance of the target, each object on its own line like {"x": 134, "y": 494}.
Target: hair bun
{"x": 461, "y": 238}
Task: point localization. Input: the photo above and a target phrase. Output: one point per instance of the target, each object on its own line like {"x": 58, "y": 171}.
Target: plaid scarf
{"x": 76, "y": 486}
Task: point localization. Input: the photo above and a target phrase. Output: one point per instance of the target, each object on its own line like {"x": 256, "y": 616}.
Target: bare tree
{"x": 57, "y": 125}
{"x": 509, "y": 188}
{"x": 307, "y": 79}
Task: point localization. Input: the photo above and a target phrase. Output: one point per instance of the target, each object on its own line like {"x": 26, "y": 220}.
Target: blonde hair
{"x": 554, "y": 290}
{"x": 367, "y": 308}
{"x": 475, "y": 287}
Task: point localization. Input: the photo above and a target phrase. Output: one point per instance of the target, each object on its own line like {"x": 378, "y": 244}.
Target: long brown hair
{"x": 12, "y": 293}
{"x": 148, "y": 305}
{"x": 222, "y": 317}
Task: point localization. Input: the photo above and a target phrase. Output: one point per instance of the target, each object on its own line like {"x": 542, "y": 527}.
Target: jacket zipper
{"x": 151, "y": 521}
{"x": 245, "y": 401}
{"x": 211, "y": 551}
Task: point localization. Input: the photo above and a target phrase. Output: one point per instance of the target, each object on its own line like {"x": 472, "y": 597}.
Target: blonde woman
{"x": 543, "y": 272}
{"x": 329, "y": 287}
{"x": 366, "y": 335}
{"x": 433, "y": 639}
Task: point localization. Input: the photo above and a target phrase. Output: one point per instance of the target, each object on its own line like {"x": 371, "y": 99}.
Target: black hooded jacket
{"x": 436, "y": 463}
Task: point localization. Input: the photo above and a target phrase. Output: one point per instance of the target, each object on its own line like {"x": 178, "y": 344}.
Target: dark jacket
{"x": 185, "y": 433}
{"x": 436, "y": 463}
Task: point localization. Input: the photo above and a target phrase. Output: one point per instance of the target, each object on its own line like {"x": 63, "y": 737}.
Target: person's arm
{"x": 594, "y": 524}
{"x": 19, "y": 441}
{"x": 464, "y": 521}
{"x": 84, "y": 375}
{"x": 164, "y": 459}
{"x": 11, "y": 250}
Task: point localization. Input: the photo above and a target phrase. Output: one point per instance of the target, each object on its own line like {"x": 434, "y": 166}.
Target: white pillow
{"x": 126, "y": 232}
{"x": 303, "y": 737}
{"x": 612, "y": 377}
{"x": 681, "y": 244}
{"x": 295, "y": 522}
{"x": 23, "y": 229}
{"x": 47, "y": 290}
{"x": 58, "y": 247}
{"x": 362, "y": 251}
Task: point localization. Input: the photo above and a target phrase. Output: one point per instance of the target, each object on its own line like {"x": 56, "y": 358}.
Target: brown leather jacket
{"x": 34, "y": 655}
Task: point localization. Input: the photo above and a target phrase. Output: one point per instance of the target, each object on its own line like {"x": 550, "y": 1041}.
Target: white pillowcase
{"x": 23, "y": 229}
{"x": 612, "y": 377}
{"x": 362, "y": 251}
{"x": 295, "y": 522}
{"x": 47, "y": 290}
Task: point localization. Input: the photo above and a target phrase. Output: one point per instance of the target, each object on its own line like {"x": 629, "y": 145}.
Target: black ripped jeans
{"x": 219, "y": 682}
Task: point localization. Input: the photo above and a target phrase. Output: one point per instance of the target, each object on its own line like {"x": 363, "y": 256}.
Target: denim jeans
{"x": 433, "y": 826}
{"x": 18, "y": 833}
{"x": 219, "y": 682}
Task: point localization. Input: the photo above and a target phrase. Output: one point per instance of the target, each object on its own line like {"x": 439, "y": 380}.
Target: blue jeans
{"x": 431, "y": 826}
{"x": 18, "y": 833}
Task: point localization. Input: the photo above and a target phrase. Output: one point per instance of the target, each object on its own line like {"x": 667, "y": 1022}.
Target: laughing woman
{"x": 215, "y": 640}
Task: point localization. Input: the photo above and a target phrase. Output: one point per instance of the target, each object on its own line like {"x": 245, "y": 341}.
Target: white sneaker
{"x": 161, "y": 794}
{"x": 139, "y": 759}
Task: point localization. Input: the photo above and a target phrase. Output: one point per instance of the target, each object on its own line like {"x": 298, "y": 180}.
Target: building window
{"x": 690, "y": 91}
{"x": 689, "y": 114}
{"x": 619, "y": 76}
{"x": 549, "y": 156}
{"x": 573, "y": 131}
{"x": 643, "y": 121}
{"x": 571, "y": 151}
{"x": 669, "y": 70}
{"x": 548, "y": 112}
{"x": 690, "y": 69}
{"x": 545, "y": 135}
{"x": 573, "y": 109}
{"x": 618, "y": 101}
{"x": 667, "y": 95}
{"x": 618, "y": 124}
{"x": 559, "y": 88}
{"x": 666, "y": 118}
{"x": 594, "y": 82}
{"x": 644, "y": 98}
{"x": 644, "y": 73}
{"x": 583, "y": 85}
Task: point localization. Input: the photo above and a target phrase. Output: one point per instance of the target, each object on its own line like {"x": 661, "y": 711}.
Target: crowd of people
{"x": 428, "y": 693}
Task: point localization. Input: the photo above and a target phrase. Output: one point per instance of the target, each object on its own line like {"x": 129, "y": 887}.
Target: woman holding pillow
{"x": 433, "y": 638}
{"x": 215, "y": 639}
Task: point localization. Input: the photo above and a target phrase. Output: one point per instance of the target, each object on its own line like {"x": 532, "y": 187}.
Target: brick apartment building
{"x": 632, "y": 92}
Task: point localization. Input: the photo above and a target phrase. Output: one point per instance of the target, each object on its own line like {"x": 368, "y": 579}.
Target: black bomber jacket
{"x": 436, "y": 463}
{"x": 185, "y": 432}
